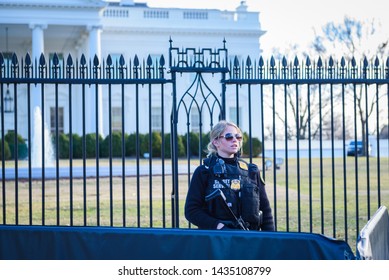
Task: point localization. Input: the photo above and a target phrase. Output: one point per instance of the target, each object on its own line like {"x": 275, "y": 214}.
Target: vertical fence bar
{"x": 163, "y": 183}
{"x": 309, "y": 158}
{"x": 174, "y": 137}
{"x": 97, "y": 140}
{"x": 356, "y": 159}
{"x": 27, "y": 72}
{"x": 69, "y": 76}
{"x": 57, "y": 156}
{"x": 4, "y": 207}
{"x": 71, "y": 206}
{"x": 250, "y": 124}
{"x": 274, "y": 156}
{"x": 321, "y": 160}
{"x": 137, "y": 148}
{"x": 110, "y": 155}
{"x": 344, "y": 164}
{"x": 286, "y": 158}
{"x": 16, "y": 155}
{"x": 298, "y": 158}
{"x": 330, "y": 70}
{"x": 43, "y": 149}
{"x": 84, "y": 155}
{"x": 150, "y": 158}
{"x": 123, "y": 155}
{"x": 366, "y": 149}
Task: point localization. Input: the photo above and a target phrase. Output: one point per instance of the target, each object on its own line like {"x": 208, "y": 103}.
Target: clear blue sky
{"x": 293, "y": 21}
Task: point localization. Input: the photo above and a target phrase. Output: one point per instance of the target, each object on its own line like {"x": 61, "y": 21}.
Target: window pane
{"x": 195, "y": 121}
{"x": 234, "y": 115}
{"x": 60, "y": 120}
{"x": 116, "y": 118}
{"x": 156, "y": 119}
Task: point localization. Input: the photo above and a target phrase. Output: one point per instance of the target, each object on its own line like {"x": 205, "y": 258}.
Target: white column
{"x": 38, "y": 48}
{"x": 94, "y": 50}
{"x": 36, "y": 125}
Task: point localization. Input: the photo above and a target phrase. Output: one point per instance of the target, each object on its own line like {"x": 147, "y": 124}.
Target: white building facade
{"x": 102, "y": 28}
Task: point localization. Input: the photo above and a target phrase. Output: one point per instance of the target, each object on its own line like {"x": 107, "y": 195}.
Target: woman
{"x": 226, "y": 192}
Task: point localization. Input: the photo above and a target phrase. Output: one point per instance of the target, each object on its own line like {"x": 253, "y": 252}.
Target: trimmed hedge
{"x": 9, "y": 138}
{"x": 188, "y": 145}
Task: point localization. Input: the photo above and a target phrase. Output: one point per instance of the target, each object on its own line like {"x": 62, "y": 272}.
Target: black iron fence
{"x": 127, "y": 134}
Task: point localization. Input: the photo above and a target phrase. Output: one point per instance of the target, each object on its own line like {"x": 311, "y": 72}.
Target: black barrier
{"x": 107, "y": 243}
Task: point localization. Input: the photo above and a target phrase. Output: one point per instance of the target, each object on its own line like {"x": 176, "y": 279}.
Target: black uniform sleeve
{"x": 195, "y": 207}
{"x": 267, "y": 218}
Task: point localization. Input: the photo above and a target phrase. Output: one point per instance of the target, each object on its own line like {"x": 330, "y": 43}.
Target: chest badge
{"x": 235, "y": 184}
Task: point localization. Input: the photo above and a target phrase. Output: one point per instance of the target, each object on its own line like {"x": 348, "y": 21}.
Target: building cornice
{"x": 76, "y": 4}
{"x": 194, "y": 31}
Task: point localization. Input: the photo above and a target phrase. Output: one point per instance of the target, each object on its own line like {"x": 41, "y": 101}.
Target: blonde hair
{"x": 216, "y": 131}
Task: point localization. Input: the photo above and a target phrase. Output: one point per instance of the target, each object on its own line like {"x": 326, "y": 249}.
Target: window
{"x": 195, "y": 120}
{"x": 233, "y": 114}
{"x": 156, "y": 119}
{"x": 116, "y": 118}
{"x": 53, "y": 120}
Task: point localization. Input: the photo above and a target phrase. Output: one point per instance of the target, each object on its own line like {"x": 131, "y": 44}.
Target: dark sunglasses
{"x": 230, "y": 136}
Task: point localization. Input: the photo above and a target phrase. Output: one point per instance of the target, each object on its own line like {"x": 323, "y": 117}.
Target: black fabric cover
{"x": 109, "y": 243}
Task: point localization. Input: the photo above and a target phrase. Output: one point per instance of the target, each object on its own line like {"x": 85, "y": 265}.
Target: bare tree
{"x": 306, "y": 105}
{"x": 355, "y": 39}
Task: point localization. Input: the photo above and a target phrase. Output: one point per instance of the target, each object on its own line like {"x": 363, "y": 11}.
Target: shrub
{"x": 180, "y": 143}
{"x": 7, "y": 151}
{"x": 256, "y": 146}
{"x": 116, "y": 137}
{"x": 77, "y": 145}
{"x": 22, "y": 146}
{"x": 63, "y": 143}
{"x": 90, "y": 142}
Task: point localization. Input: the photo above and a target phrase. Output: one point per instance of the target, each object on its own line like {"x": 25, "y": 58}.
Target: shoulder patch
{"x": 243, "y": 165}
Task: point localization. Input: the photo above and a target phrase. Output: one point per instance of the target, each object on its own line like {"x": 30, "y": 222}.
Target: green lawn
{"x": 301, "y": 201}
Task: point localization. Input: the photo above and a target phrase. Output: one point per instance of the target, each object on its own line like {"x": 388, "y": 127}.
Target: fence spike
{"x": 261, "y": 62}
{"x": 149, "y": 61}
{"x": 69, "y": 60}
{"x": 248, "y": 62}
{"x": 353, "y": 62}
{"x": 365, "y": 63}
{"x": 42, "y": 60}
{"x": 296, "y": 62}
{"x": 376, "y": 62}
{"x": 162, "y": 61}
{"x": 109, "y": 60}
{"x": 83, "y": 60}
{"x": 27, "y": 60}
{"x": 15, "y": 60}
{"x": 308, "y": 62}
{"x": 320, "y": 63}
{"x": 96, "y": 61}
{"x": 122, "y": 61}
{"x": 331, "y": 62}
{"x": 272, "y": 62}
{"x": 284, "y": 62}
{"x": 236, "y": 62}
{"x": 342, "y": 62}
{"x": 55, "y": 59}
{"x": 136, "y": 61}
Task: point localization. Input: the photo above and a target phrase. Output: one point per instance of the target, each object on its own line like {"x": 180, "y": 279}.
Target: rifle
{"x": 218, "y": 193}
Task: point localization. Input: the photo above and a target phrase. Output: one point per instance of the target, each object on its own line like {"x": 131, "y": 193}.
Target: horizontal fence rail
{"x": 126, "y": 135}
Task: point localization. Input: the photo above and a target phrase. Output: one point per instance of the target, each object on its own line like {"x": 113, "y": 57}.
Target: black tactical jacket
{"x": 243, "y": 194}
